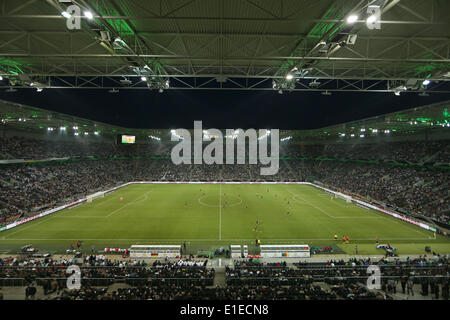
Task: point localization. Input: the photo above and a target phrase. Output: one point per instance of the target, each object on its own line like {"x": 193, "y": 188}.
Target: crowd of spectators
{"x": 100, "y": 271}
{"x": 415, "y": 152}
{"x": 249, "y": 280}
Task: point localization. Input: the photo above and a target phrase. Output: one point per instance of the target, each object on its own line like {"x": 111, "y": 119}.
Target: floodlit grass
{"x": 221, "y": 214}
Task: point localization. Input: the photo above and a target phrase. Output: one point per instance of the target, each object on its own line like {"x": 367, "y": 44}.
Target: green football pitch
{"x": 221, "y": 214}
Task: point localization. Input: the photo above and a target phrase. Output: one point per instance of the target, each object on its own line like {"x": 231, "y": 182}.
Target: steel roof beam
{"x": 229, "y": 19}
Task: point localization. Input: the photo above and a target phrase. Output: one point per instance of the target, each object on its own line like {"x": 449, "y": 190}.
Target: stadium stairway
{"x": 219, "y": 277}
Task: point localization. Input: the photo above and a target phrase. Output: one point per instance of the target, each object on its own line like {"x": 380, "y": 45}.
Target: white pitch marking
{"x": 33, "y": 225}
{"x": 129, "y": 203}
{"x": 309, "y": 203}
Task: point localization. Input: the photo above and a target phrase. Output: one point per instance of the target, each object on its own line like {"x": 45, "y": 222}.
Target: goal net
{"x": 96, "y": 195}
{"x": 345, "y": 197}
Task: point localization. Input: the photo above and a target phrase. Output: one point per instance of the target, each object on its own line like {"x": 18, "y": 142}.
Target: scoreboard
{"x": 126, "y": 139}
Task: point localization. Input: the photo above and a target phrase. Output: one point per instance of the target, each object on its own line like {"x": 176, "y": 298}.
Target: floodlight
{"x": 289, "y": 76}
{"x": 372, "y": 19}
{"x": 88, "y": 15}
{"x": 65, "y": 14}
{"x": 144, "y": 78}
{"x": 352, "y": 19}
{"x": 426, "y": 82}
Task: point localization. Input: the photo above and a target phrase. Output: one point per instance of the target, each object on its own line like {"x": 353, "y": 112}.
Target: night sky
{"x": 219, "y": 109}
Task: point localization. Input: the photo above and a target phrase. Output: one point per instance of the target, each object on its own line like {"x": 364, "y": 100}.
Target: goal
{"x": 345, "y": 197}
{"x": 96, "y": 195}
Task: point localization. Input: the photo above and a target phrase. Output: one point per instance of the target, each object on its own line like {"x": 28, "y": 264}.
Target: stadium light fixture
{"x": 289, "y": 76}
{"x": 352, "y": 19}
{"x": 39, "y": 89}
{"x": 143, "y": 78}
{"x": 65, "y": 14}
{"x": 154, "y": 138}
{"x": 88, "y": 15}
{"x": 372, "y": 19}
{"x": 426, "y": 82}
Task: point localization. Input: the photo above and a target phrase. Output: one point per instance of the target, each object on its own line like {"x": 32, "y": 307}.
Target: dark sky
{"x": 219, "y": 109}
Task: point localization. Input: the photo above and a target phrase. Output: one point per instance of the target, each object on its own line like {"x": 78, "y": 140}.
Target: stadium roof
{"x": 233, "y": 44}
{"x": 429, "y": 118}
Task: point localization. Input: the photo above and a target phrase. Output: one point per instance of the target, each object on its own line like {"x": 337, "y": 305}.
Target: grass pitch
{"x": 221, "y": 214}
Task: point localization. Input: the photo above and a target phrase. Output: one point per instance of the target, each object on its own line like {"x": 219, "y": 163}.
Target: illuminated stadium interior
{"x": 94, "y": 96}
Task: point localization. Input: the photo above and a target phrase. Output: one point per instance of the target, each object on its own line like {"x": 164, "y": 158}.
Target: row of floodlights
{"x": 75, "y": 128}
{"x": 352, "y": 135}
{"x": 154, "y": 138}
{"x": 87, "y": 14}
{"x": 431, "y": 123}
{"x": 286, "y": 139}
